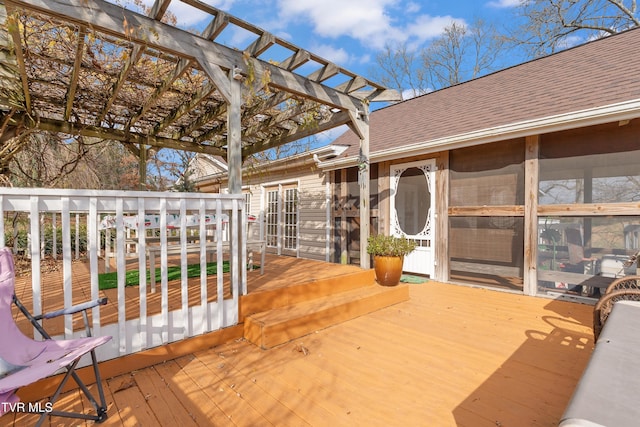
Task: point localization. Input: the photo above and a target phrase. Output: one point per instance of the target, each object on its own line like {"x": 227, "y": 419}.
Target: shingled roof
{"x": 593, "y": 83}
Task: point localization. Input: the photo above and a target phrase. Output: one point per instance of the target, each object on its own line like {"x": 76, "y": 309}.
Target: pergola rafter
{"x": 73, "y": 84}
{"x": 154, "y": 118}
{"x": 136, "y": 79}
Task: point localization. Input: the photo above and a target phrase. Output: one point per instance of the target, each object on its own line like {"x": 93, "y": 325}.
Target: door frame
{"x": 280, "y": 188}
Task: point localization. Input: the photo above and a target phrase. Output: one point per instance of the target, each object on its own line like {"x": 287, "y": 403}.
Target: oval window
{"x": 412, "y": 201}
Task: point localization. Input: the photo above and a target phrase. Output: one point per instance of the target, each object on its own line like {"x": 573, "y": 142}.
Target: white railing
{"x": 74, "y": 211}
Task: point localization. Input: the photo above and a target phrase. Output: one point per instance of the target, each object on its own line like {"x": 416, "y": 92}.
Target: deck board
{"x": 161, "y": 399}
{"x": 450, "y": 356}
{"x": 189, "y": 395}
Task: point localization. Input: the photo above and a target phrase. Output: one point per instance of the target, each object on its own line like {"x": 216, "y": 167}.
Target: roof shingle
{"x": 600, "y": 73}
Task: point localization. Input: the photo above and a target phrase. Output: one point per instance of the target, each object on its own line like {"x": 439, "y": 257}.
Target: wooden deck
{"x": 451, "y": 356}
{"x": 280, "y": 271}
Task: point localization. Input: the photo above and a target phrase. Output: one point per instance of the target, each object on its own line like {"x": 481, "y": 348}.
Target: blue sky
{"x": 349, "y": 33}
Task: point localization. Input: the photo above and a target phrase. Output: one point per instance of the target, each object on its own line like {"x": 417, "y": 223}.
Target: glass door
{"x": 282, "y": 219}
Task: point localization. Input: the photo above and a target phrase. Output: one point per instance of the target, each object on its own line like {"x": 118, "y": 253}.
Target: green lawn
{"x": 132, "y": 277}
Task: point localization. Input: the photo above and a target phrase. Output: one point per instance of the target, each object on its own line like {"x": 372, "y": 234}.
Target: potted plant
{"x": 388, "y": 256}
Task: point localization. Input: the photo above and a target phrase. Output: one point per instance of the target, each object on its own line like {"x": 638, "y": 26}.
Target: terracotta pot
{"x": 388, "y": 269}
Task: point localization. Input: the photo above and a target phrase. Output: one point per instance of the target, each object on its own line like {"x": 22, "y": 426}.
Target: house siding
{"x": 312, "y": 205}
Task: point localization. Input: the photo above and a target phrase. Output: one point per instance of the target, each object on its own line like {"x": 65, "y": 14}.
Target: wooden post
{"x": 234, "y": 137}
{"x": 364, "y": 178}
{"x": 234, "y": 160}
{"x": 142, "y": 183}
{"x": 360, "y": 124}
{"x": 344, "y": 231}
{"x": 531, "y": 186}
{"x": 441, "y": 244}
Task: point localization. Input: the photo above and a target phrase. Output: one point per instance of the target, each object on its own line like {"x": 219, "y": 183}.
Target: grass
{"x": 132, "y": 277}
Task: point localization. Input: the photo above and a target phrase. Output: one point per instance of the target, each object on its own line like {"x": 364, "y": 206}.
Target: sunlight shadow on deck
{"x": 556, "y": 356}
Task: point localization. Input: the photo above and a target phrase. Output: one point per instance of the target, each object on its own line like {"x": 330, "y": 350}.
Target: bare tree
{"x": 56, "y": 160}
{"x": 47, "y": 160}
{"x": 547, "y": 26}
{"x": 461, "y": 53}
{"x": 398, "y": 67}
{"x": 114, "y": 167}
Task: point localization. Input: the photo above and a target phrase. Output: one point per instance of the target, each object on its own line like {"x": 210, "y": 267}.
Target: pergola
{"x": 93, "y": 68}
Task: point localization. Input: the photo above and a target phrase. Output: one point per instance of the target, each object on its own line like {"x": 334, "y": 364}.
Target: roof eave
{"x": 595, "y": 116}
{"x": 295, "y": 161}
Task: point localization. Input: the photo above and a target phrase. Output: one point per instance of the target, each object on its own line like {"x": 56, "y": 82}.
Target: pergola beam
{"x": 184, "y": 108}
{"x": 110, "y": 19}
{"x": 264, "y": 42}
{"x": 204, "y": 118}
{"x": 51, "y": 125}
{"x": 216, "y": 26}
{"x": 159, "y": 8}
{"x": 296, "y": 60}
{"x": 144, "y": 108}
{"x": 336, "y": 120}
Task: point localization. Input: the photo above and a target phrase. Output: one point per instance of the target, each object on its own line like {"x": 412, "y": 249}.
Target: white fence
{"x": 78, "y": 210}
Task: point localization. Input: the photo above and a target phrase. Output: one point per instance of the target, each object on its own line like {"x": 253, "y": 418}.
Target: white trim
{"x": 293, "y": 181}
{"x": 422, "y": 260}
{"x": 312, "y": 157}
{"x": 611, "y": 113}
{"x": 329, "y": 225}
{"x": 265, "y": 188}
{"x": 212, "y": 160}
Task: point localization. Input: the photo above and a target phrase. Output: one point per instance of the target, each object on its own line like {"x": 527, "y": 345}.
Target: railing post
{"x": 153, "y": 326}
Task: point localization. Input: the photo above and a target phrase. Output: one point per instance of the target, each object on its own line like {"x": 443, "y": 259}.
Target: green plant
{"x": 389, "y": 245}
{"x": 132, "y": 277}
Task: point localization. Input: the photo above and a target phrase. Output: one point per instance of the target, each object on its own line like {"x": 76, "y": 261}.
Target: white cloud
{"x": 368, "y": 21}
{"x": 570, "y": 41}
{"x": 427, "y": 27}
{"x": 364, "y": 20}
{"x": 336, "y": 55}
{"x": 412, "y": 7}
{"x": 364, "y": 59}
{"x": 501, "y": 4}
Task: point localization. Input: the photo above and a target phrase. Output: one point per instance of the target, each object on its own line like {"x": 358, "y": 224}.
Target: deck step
{"x": 259, "y": 301}
{"x": 278, "y": 326}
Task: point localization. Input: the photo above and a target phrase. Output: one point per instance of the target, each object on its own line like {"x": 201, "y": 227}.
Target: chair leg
{"x": 100, "y": 408}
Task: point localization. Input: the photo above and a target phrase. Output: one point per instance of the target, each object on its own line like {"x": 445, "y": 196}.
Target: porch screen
{"x": 573, "y": 249}
{"x": 599, "y": 166}
{"x": 488, "y": 175}
{"x": 487, "y": 247}
{"x": 346, "y": 212}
